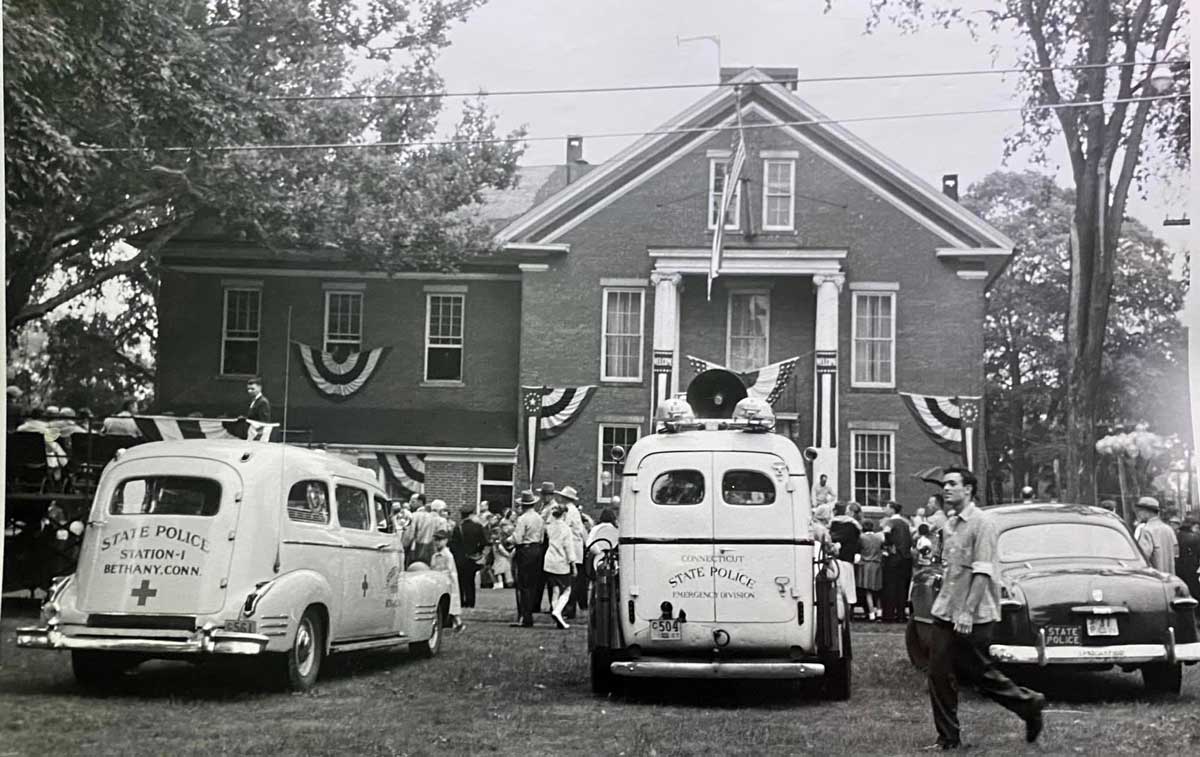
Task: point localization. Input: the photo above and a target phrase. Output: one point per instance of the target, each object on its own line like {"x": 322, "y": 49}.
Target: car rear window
{"x": 166, "y": 495}
{"x": 1065, "y": 540}
{"x": 678, "y": 487}
{"x": 308, "y": 502}
{"x": 747, "y": 487}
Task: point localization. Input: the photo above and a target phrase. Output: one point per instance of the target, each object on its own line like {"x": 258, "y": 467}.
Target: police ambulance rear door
{"x": 672, "y": 543}
{"x": 754, "y": 538}
{"x": 161, "y": 537}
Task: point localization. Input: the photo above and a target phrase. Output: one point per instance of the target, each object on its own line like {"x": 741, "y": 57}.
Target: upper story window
{"x": 779, "y": 189}
{"x": 621, "y": 342}
{"x": 240, "y": 331}
{"x": 444, "y": 337}
{"x": 749, "y": 330}
{"x": 873, "y": 360}
{"x": 343, "y": 321}
{"x": 717, "y": 168}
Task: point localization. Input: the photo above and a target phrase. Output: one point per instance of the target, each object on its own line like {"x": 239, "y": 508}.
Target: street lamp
{"x": 1161, "y": 79}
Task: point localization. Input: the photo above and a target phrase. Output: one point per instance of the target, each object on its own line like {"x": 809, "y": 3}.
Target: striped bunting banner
{"x": 335, "y": 379}
{"x": 404, "y": 471}
{"x": 158, "y": 428}
{"x": 950, "y": 421}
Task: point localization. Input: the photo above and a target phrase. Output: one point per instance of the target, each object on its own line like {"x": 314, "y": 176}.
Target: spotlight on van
{"x": 674, "y": 414}
{"x": 755, "y": 414}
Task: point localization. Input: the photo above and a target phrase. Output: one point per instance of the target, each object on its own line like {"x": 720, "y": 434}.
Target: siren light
{"x": 755, "y": 413}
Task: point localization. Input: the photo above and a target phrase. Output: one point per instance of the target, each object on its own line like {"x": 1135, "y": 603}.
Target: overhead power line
{"x": 628, "y": 134}
{"x": 707, "y": 85}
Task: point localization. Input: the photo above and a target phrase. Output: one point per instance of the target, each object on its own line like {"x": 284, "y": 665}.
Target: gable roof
{"x": 774, "y": 103}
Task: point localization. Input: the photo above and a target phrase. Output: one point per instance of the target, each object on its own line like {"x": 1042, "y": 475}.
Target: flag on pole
{"x": 952, "y": 422}
{"x": 729, "y": 191}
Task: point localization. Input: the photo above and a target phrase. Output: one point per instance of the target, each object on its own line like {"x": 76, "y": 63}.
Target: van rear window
{"x": 166, "y": 495}
{"x": 678, "y": 487}
{"x": 747, "y": 487}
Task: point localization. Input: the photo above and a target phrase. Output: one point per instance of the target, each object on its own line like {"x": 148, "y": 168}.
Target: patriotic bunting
{"x": 404, "y": 472}
{"x": 335, "y": 379}
{"x": 548, "y": 411}
{"x": 950, "y": 421}
{"x": 766, "y": 383}
{"x": 158, "y": 428}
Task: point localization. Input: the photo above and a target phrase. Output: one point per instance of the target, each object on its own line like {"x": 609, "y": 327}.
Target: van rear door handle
{"x": 382, "y": 547}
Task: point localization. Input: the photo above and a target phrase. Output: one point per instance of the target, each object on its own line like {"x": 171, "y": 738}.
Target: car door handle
{"x": 383, "y": 546}
{"x": 96, "y": 522}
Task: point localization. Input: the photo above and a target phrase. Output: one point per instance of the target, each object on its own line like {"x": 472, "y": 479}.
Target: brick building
{"x": 834, "y": 254}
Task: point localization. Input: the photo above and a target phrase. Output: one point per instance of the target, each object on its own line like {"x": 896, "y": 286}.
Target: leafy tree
{"x": 1026, "y": 359}
{"x": 98, "y": 93}
{"x": 1104, "y": 144}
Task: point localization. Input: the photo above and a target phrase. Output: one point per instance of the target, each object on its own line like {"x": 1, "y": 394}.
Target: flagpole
{"x": 287, "y": 371}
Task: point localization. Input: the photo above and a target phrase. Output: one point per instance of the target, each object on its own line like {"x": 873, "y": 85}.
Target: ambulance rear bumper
{"x": 652, "y": 668}
{"x": 201, "y": 642}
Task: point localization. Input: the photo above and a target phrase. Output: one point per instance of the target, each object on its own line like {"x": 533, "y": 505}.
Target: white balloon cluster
{"x": 1140, "y": 442}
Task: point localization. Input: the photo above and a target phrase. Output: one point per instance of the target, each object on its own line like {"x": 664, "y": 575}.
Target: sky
{"x": 540, "y": 44}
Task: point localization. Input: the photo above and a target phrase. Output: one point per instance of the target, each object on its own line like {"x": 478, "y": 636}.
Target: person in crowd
{"x": 260, "y": 407}
{"x": 121, "y": 423}
{"x": 440, "y": 510}
{"x": 917, "y": 519}
{"x": 822, "y": 493}
{"x": 443, "y": 560}
{"x": 66, "y": 424}
{"x": 964, "y": 615}
{"x": 603, "y": 536}
{"x": 399, "y": 518}
{"x": 501, "y": 535}
{"x": 559, "y": 563}
{"x": 870, "y": 569}
{"x": 854, "y": 510}
{"x": 897, "y": 563}
{"x": 1187, "y": 565}
{"x": 468, "y": 540}
{"x": 1109, "y": 504}
{"x": 935, "y": 514}
{"x": 577, "y": 596}
{"x": 845, "y": 533}
{"x": 528, "y": 537}
{"x": 56, "y": 456}
{"x": 1155, "y": 538}
{"x": 418, "y": 539}
{"x": 545, "y": 504}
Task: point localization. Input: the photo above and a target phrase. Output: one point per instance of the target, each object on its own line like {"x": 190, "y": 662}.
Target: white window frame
{"x": 714, "y": 198}
{"x": 891, "y": 437}
{"x": 257, "y": 339}
{"x": 637, "y": 427}
{"x": 641, "y": 351}
{"x": 355, "y": 344}
{"x": 729, "y": 323}
{"x": 791, "y": 195}
{"x": 462, "y": 364}
{"x": 854, "y": 300}
{"x": 481, "y": 482}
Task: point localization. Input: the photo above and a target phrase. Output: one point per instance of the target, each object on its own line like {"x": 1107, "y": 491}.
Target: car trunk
{"x": 161, "y": 538}
{"x": 1057, "y": 599}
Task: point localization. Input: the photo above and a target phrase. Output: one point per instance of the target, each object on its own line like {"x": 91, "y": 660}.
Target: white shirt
{"x": 560, "y": 551}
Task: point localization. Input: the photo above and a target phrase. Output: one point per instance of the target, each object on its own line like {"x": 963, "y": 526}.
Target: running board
{"x": 357, "y": 646}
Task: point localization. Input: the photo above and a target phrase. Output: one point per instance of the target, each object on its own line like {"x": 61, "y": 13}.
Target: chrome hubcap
{"x": 304, "y": 649}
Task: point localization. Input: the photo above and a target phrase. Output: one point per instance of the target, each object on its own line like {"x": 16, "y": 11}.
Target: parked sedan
{"x": 1075, "y": 590}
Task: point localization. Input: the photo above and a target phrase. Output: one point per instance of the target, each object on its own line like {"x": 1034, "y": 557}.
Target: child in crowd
{"x": 443, "y": 560}
{"x": 923, "y": 546}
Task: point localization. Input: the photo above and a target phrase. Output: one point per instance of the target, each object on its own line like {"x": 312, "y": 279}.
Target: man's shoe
{"x": 1035, "y": 723}
{"x": 942, "y": 746}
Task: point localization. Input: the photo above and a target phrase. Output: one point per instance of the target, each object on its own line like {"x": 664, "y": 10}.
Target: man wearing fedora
{"x": 1155, "y": 538}
{"x": 528, "y": 536}
{"x": 569, "y": 499}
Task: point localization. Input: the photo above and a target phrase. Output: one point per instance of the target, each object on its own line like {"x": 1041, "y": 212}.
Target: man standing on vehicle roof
{"x": 528, "y": 536}
{"x": 964, "y": 615}
{"x": 1155, "y": 538}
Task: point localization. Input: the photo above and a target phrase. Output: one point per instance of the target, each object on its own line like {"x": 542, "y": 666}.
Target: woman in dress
{"x": 870, "y": 578}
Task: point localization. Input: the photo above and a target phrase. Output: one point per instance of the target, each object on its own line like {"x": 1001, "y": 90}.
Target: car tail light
{"x": 1184, "y": 603}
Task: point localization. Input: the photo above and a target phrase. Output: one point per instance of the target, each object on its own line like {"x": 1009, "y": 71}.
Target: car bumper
{"x": 1116, "y": 653}
{"x": 649, "y": 668}
{"x": 204, "y": 641}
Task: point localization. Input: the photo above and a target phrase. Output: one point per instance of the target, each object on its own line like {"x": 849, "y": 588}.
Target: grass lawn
{"x": 500, "y": 690}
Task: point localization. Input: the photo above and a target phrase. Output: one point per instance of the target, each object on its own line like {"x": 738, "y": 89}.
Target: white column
{"x": 666, "y": 336}
{"x": 825, "y": 380}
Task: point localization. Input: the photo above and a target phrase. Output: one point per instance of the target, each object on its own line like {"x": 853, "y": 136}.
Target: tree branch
{"x": 109, "y": 217}
{"x": 1112, "y": 133}
{"x": 1066, "y": 116}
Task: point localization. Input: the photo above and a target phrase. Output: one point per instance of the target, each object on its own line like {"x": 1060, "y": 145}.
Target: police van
{"x": 204, "y": 548}
{"x": 717, "y": 573}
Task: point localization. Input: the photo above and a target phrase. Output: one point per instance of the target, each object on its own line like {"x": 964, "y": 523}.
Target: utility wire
{"x": 624, "y": 134}
{"x": 659, "y": 87}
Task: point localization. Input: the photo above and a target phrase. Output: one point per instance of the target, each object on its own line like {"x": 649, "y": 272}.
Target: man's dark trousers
{"x": 466, "y": 580}
{"x": 954, "y": 658}
{"x": 529, "y": 580}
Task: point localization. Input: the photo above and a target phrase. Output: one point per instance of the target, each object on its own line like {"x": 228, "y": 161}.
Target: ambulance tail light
{"x": 631, "y": 614}
{"x": 800, "y": 612}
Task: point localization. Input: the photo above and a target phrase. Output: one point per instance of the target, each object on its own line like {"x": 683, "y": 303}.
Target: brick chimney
{"x": 950, "y": 185}
{"x": 786, "y": 76}
{"x": 574, "y": 149}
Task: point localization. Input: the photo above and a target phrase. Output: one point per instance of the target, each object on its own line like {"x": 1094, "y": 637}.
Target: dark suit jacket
{"x": 468, "y": 540}
{"x": 899, "y": 538}
{"x": 260, "y": 410}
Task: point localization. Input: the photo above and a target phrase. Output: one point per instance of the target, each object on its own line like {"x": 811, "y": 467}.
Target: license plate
{"x": 665, "y": 630}
{"x": 240, "y": 626}
{"x": 1062, "y": 636}
{"x": 1102, "y": 626}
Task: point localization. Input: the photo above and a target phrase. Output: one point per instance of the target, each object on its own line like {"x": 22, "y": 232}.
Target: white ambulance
{"x": 716, "y": 574}
{"x": 203, "y": 548}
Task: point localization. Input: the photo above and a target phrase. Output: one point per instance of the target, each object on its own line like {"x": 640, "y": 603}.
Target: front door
{"x": 366, "y": 557}
{"x": 673, "y": 553}
{"x": 754, "y": 536}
